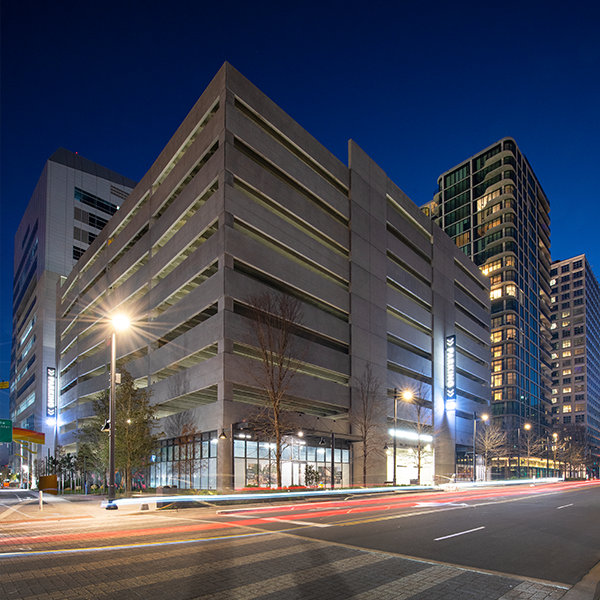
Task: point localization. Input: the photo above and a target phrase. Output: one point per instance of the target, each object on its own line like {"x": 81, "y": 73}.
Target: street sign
{"x": 3, "y": 385}
{"x": 6, "y": 430}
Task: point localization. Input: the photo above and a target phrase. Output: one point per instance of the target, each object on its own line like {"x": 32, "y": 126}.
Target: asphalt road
{"x": 544, "y": 532}
{"x": 306, "y": 550}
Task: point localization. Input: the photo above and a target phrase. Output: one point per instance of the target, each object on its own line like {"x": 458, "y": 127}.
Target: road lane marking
{"x": 565, "y": 506}
{"x": 309, "y": 523}
{"x": 460, "y": 533}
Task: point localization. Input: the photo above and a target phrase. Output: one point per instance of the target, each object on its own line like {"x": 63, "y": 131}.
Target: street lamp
{"x": 483, "y": 418}
{"x": 407, "y": 397}
{"x": 119, "y": 323}
{"x": 528, "y": 427}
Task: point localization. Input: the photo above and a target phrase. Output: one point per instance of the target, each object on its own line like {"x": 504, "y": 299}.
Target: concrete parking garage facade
{"x": 243, "y": 201}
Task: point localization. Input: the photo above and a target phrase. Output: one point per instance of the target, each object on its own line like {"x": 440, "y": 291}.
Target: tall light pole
{"x": 527, "y": 426}
{"x": 119, "y": 323}
{"x": 407, "y": 397}
{"x": 482, "y": 418}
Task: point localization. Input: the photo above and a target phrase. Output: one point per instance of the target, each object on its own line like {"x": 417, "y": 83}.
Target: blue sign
{"x": 450, "y": 380}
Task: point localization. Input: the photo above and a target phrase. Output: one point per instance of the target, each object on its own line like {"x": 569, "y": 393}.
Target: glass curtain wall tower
{"x": 495, "y": 210}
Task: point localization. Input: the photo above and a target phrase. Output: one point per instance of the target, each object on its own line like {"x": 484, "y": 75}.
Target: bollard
{"x": 41, "y": 500}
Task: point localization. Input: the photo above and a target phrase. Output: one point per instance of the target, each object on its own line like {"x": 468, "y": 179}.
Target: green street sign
{"x": 5, "y": 430}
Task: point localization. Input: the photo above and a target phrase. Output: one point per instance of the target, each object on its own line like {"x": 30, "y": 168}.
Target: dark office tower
{"x": 575, "y": 329}
{"x": 495, "y": 210}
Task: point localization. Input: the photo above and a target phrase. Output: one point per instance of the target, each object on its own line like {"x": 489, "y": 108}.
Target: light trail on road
{"x": 304, "y": 515}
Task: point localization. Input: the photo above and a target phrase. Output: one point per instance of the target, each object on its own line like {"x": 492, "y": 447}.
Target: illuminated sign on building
{"x": 450, "y": 372}
{"x": 51, "y": 395}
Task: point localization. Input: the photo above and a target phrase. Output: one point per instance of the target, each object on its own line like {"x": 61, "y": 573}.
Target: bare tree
{"x": 532, "y": 444}
{"x": 491, "y": 442}
{"x": 274, "y": 321}
{"x": 188, "y": 459}
{"x": 572, "y": 447}
{"x": 368, "y": 418}
{"x": 175, "y": 424}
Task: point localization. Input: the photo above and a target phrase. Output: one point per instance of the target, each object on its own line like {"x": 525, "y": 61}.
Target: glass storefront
{"x": 190, "y": 462}
{"x": 255, "y": 464}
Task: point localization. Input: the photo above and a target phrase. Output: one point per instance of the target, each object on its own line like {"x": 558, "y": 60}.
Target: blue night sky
{"x": 420, "y": 86}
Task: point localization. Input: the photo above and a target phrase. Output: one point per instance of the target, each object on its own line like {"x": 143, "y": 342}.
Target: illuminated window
{"x": 565, "y": 314}
{"x": 496, "y": 380}
{"x": 567, "y": 353}
{"x": 497, "y": 395}
{"x": 567, "y": 408}
{"x": 496, "y": 351}
{"x": 554, "y": 390}
{"x": 496, "y": 365}
{"x": 579, "y": 407}
{"x": 496, "y": 294}
{"x": 554, "y": 355}
{"x": 566, "y": 390}
{"x": 553, "y": 326}
{"x": 566, "y": 344}
{"x": 579, "y": 351}
{"x": 566, "y": 371}
{"x": 553, "y": 299}
{"x": 511, "y": 290}
{"x": 511, "y": 334}
{"x": 493, "y": 266}
{"x": 552, "y": 281}
{"x": 554, "y": 400}
{"x": 496, "y": 336}
{"x": 565, "y": 323}
{"x": 510, "y": 261}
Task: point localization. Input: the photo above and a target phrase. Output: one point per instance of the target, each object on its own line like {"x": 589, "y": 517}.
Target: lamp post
{"x": 527, "y": 427}
{"x": 120, "y": 323}
{"x": 484, "y": 418}
{"x": 407, "y": 397}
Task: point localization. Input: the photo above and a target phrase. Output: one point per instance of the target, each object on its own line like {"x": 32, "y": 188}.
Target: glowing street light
{"x": 120, "y": 322}
{"x": 407, "y": 396}
{"x": 484, "y": 417}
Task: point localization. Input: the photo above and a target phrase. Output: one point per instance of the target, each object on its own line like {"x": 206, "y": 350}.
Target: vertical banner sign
{"x": 51, "y": 395}
{"x": 450, "y": 372}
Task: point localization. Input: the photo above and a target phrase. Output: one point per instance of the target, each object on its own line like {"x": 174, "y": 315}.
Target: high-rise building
{"x": 243, "y": 203}
{"x": 575, "y": 355}
{"x": 72, "y": 202}
{"x": 495, "y": 210}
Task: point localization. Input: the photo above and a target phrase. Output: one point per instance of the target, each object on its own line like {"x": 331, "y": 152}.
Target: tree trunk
{"x": 364, "y": 463}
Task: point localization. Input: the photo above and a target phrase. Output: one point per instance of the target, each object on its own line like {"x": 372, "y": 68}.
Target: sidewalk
{"x": 62, "y": 507}
{"x": 444, "y": 581}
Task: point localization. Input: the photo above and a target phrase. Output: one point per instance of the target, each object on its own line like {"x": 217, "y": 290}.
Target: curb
{"x": 588, "y": 588}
